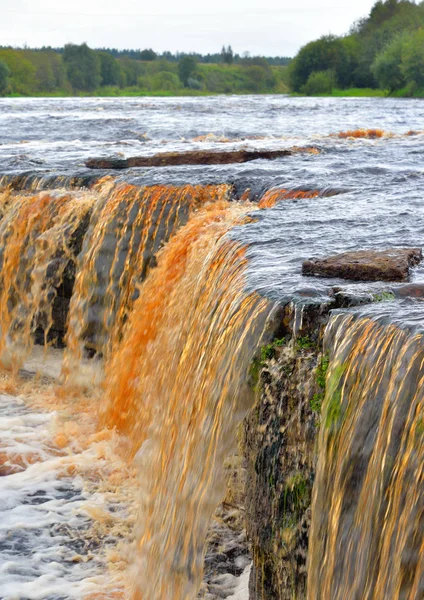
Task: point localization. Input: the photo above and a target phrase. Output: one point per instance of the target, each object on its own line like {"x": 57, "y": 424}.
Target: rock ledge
{"x": 393, "y": 264}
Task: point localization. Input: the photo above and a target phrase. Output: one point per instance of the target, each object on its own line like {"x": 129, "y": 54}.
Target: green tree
{"x": 319, "y": 82}
{"x": 131, "y": 70}
{"x": 386, "y": 68}
{"x": 22, "y": 71}
{"x": 166, "y": 81}
{"x": 187, "y": 69}
{"x": 227, "y": 55}
{"x": 109, "y": 69}
{"x": 50, "y": 71}
{"x": 327, "y": 53}
{"x": 82, "y": 66}
{"x": 386, "y": 21}
{"x": 4, "y": 77}
{"x": 148, "y": 54}
{"x": 413, "y": 59}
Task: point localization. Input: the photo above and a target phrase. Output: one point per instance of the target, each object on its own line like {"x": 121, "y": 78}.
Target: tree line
{"x": 384, "y": 50}
{"x": 79, "y": 69}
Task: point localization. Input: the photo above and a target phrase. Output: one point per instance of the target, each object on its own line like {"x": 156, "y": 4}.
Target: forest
{"x": 384, "y": 51}
{"x": 80, "y": 70}
{"x": 382, "y": 54}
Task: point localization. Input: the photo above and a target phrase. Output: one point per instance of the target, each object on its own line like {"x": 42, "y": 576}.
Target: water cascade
{"x": 152, "y": 288}
{"x": 367, "y": 514}
{"x": 177, "y": 385}
{"x": 40, "y": 238}
{"x": 127, "y": 229}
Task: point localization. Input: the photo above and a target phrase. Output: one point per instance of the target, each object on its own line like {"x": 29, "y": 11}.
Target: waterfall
{"x": 367, "y": 518}
{"x": 177, "y": 389}
{"x": 147, "y": 285}
{"x": 40, "y": 238}
{"x": 127, "y": 228}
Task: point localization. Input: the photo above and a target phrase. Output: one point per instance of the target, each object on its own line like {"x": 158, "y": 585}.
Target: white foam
{"x": 45, "y": 362}
{"x": 47, "y": 550}
{"x": 242, "y": 589}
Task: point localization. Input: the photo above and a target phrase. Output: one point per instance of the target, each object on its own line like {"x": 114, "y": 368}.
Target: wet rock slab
{"x": 393, "y": 264}
{"x": 196, "y": 157}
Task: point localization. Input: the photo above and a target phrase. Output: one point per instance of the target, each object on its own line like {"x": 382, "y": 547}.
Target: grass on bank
{"x": 365, "y": 93}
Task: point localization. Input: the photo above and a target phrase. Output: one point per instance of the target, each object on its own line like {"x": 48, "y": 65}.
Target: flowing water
{"x": 370, "y": 469}
{"x": 162, "y": 283}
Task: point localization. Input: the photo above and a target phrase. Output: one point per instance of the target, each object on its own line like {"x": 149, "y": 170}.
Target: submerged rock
{"x": 195, "y": 157}
{"x": 410, "y": 290}
{"x": 393, "y": 264}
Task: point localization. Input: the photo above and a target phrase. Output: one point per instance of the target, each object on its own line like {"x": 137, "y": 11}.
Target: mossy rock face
{"x": 279, "y": 443}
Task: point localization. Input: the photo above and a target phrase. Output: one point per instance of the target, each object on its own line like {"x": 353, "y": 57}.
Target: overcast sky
{"x": 269, "y": 27}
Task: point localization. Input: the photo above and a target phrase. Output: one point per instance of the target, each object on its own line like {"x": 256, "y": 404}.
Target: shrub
{"x": 187, "y": 68}
{"x": 319, "y": 82}
{"x": 327, "y": 53}
{"x": 193, "y": 84}
{"x": 166, "y": 81}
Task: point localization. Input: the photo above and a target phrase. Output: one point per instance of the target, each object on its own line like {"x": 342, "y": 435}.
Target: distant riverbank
{"x": 366, "y": 93}
{"x": 112, "y": 92}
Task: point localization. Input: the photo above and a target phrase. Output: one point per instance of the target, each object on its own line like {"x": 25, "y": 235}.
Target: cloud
{"x": 275, "y": 28}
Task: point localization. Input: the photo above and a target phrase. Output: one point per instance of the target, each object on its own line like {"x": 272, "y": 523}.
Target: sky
{"x": 266, "y": 27}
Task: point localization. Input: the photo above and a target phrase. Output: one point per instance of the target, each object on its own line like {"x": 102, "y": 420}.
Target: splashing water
{"x": 370, "y": 134}
{"x": 273, "y": 196}
{"x": 176, "y": 414}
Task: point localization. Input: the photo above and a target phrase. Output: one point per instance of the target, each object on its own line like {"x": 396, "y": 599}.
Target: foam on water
{"x": 242, "y": 590}
{"x": 65, "y": 501}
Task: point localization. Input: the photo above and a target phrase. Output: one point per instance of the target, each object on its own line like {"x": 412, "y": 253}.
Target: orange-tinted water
{"x": 37, "y": 244}
{"x": 127, "y": 229}
{"x": 177, "y": 390}
{"x": 176, "y": 343}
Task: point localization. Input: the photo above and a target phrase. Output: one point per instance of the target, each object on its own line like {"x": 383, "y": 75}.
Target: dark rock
{"x": 393, "y": 264}
{"x": 411, "y": 290}
{"x": 45, "y": 181}
{"x": 348, "y": 299}
{"x": 195, "y": 157}
{"x": 61, "y": 284}
{"x": 279, "y": 440}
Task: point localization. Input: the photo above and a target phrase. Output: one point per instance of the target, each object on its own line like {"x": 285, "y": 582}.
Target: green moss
{"x": 268, "y": 351}
{"x": 320, "y": 377}
{"x": 316, "y": 402}
{"x": 383, "y": 297}
{"x": 419, "y": 431}
{"x": 334, "y": 396}
{"x": 322, "y": 368}
{"x": 333, "y": 409}
{"x": 297, "y": 498}
{"x": 254, "y": 372}
{"x": 287, "y": 370}
{"x": 304, "y": 343}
